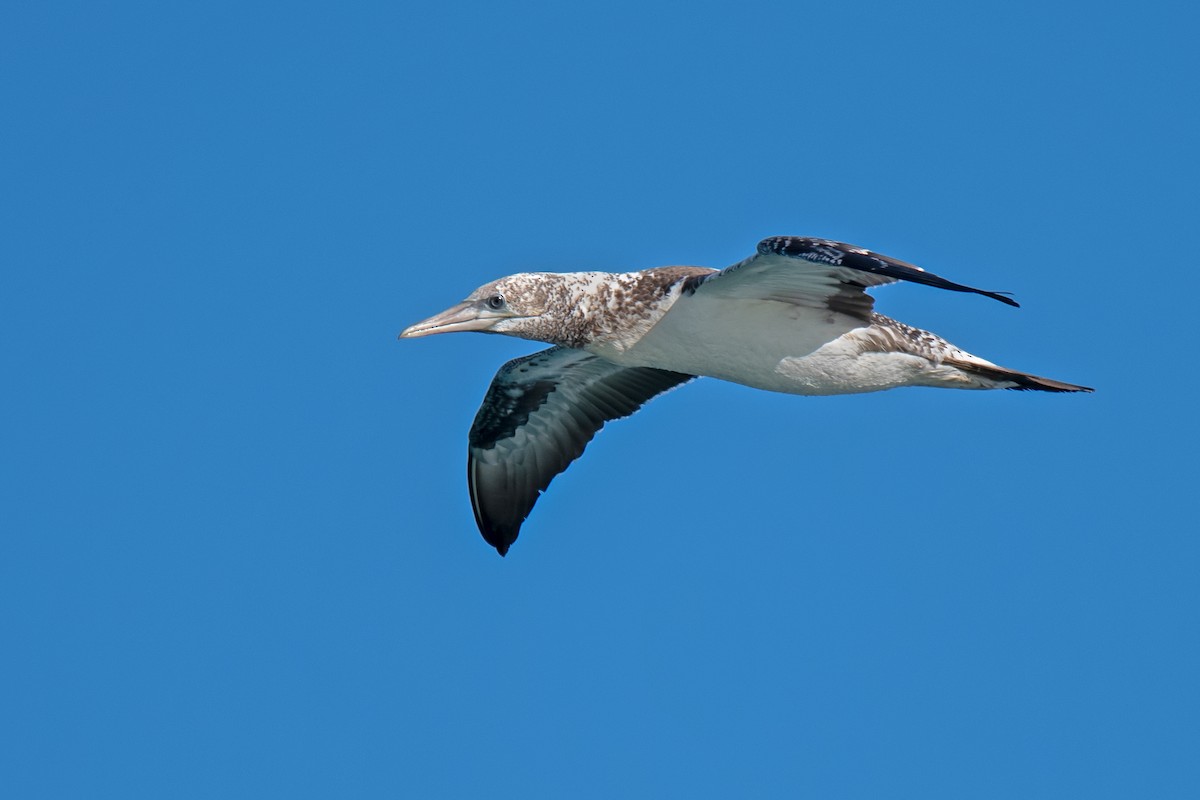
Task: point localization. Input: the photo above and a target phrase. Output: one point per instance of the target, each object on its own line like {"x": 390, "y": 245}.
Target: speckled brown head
{"x": 570, "y": 309}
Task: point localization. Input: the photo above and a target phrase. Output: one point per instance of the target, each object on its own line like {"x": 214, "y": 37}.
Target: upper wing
{"x": 818, "y": 273}
{"x": 537, "y": 417}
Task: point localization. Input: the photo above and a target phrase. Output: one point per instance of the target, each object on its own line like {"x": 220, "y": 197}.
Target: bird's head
{"x": 529, "y": 305}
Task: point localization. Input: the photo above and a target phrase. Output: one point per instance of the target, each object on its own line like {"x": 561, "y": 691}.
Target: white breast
{"x": 766, "y": 344}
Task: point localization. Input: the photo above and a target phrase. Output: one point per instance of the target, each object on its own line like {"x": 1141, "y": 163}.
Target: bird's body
{"x": 793, "y": 318}
{"x": 790, "y": 349}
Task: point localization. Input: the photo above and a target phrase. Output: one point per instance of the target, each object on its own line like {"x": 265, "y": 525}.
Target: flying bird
{"x": 794, "y": 317}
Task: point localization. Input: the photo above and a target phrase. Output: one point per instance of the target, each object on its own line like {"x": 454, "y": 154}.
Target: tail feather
{"x": 1023, "y": 380}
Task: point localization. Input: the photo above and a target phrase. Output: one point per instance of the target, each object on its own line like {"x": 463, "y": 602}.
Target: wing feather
{"x": 820, "y": 273}
{"x": 537, "y": 417}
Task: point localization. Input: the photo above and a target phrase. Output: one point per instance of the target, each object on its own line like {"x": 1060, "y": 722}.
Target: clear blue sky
{"x": 238, "y": 559}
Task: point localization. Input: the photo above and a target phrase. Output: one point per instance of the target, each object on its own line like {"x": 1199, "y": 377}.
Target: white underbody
{"x": 796, "y": 349}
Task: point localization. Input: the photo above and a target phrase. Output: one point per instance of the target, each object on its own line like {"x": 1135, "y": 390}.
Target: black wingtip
{"x": 840, "y": 254}
{"x": 499, "y": 537}
{"x": 1003, "y": 297}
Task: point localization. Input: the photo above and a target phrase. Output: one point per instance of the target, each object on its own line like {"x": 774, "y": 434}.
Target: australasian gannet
{"x": 795, "y": 317}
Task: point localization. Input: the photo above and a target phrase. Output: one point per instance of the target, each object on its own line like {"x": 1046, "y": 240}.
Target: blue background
{"x": 238, "y": 558}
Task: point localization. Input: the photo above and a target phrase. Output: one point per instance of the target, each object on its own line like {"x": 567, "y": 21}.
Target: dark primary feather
{"x": 848, "y": 256}
{"x": 537, "y": 417}
{"x": 819, "y": 273}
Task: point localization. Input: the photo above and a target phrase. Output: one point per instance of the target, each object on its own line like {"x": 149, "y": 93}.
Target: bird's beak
{"x": 466, "y": 316}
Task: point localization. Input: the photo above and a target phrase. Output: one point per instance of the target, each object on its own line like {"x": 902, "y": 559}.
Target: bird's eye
{"x": 495, "y": 302}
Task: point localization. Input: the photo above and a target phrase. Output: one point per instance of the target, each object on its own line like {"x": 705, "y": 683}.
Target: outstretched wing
{"x": 818, "y": 273}
{"x": 537, "y": 417}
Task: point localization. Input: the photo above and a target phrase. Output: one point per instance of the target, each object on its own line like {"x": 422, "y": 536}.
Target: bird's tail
{"x": 1022, "y": 381}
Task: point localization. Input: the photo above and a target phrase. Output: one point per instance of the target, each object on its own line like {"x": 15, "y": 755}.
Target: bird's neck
{"x": 606, "y": 311}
